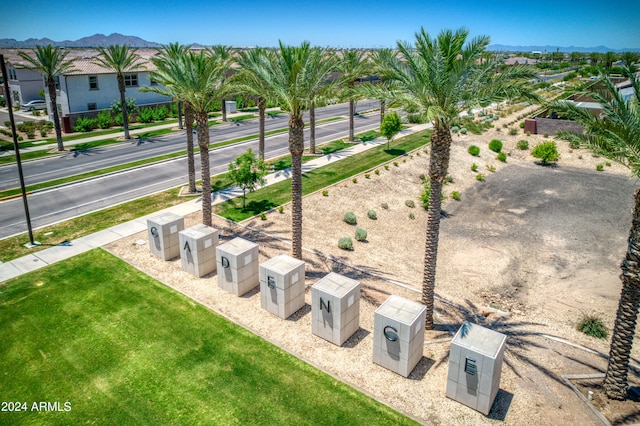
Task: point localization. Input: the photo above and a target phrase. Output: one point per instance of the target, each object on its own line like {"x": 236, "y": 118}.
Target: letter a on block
{"x": 326, "y": 306}
{"x": 186, "y": 247}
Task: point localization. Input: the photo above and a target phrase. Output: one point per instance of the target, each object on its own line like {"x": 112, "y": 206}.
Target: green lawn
{"x": 122, "y": 348}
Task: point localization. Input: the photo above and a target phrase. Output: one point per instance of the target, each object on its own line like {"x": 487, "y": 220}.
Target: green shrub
{"x": 521, "y": 124}
{"x": 523, "y": 144}
{"x": 7, "y": 124}
{"x": 495, "y": 145}
{"x": 528, "y": 133}
{"x": 546, "y": 135}
{"x": 385, "y": 206}
{"x": 474, "y": 150}
{"x": 386, "y": 167}
{"x": 426, "y": 193}
{"x": 376, "y": 171}
{"x": 325, "y": 193}
{"x": 395, "y": 163}
{"x": 354, "y": 180}
{"x": 410, "y": 203}
{"x": 160, "y": 113}
{"x": 345, "y": 243}
{"x": 263, "y": 216}
{"x": 367, "y": 175}
{"x": 502, "y": 157}
{"x": 600, "y": 167}
{"x": 455, "y": 129}
{"x": 412, "y": 216}
{"x": 350, "y": 218}
{"x": 104, "y": 119}
{"x": 463, "y": 130}
{"x": 474, "y": 167}
{"x": 84, "y": 124}
{"x": 592, "y": 325}
{"x": 608, "y": 164}
{"x": 491, "y": 168}
{"x": 513, "y": 132}
{"x": 371, "y": 214}
{"x": 480, "y": 177}
{"x": 546, "y": 152}
{"x": 455, "y": 195}
{"x": 146, "y": 115}
{"x": 281, "y": 210}
{"x": 361, "y": 234}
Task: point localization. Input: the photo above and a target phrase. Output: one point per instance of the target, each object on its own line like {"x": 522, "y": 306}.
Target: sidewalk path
{"x": 32, "y": 262}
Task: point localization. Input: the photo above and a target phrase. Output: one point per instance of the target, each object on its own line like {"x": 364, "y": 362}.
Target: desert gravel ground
{"x": 526, "y": 252}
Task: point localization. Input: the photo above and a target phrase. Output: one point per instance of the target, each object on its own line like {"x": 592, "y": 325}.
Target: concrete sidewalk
{"x": 32, "y": 262}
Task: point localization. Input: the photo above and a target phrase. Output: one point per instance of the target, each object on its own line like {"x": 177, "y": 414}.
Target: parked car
{"x": 35, "y": 104}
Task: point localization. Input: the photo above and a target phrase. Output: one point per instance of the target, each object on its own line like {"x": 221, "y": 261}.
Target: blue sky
{"x": 347, "y": 23}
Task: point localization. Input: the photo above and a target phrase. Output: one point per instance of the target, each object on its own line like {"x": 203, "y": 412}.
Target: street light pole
{"x": 7, "y": 95}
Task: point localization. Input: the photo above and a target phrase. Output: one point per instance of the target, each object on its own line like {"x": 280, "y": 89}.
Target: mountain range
{"x": 101, "y": 40}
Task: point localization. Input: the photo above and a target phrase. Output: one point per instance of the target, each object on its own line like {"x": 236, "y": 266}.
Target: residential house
{"x": 25, "y": 85}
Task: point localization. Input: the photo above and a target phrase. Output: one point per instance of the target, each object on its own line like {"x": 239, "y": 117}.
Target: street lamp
{"x": 7, "y": 95}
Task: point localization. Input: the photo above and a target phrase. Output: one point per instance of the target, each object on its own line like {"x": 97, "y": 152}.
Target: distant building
{"x": 520, "y": 60}
{"x": 25, "y": 85}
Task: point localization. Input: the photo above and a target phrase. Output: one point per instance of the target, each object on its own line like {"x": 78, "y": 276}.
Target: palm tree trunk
{"x": 179, "y": 107}
{"x": 382, "y": 105}
{"x": 51, "y": 87}
{"x": 223, "y": 109}
{"x": 203, "y": 142}
{"x": 312, "y": 128}
{"x": 438, "y": 165}
{"x": 262, "y": 106}
{"x": 191, "y": 168}
{"x": 123, "y": 103}
{"x": 352, "y": 112}
{"x": 296, "y": 147}
{"x": 615, "y": 382}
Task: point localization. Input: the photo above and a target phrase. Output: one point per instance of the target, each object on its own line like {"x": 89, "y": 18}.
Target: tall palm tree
{"x": 50, "y": 62}
{"x": 120, "y": 59}
{"x": 224, "y": 54}
{"x": 609, "y": 58}
{"x": 442, "y": 77}
{"x": 352, "y": 65}
{"x": 379, "y": 58}
{"x": 167, "y": 74}
{"x": 203, "y": 81}
{"x": 630, "y": 58}
{"x": 294, "y": 75}
{"x": 616, "y": 135}
{"x": 248, "y": 80}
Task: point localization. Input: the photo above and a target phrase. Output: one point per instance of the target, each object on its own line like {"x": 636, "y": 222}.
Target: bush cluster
{"x": 546, "y": 152}
{"x": 474, "y": 150}
{"x": 84, "y": 124}
{"x": 523, "y": 144}
{"x": 345, "y": 243}
{"x": 495, "y": 145}
{"x": 361, "y": 234}
{"x": 350, "y": 218}
{"x": 592, "y": 325}
{"x": 371, "y": 214}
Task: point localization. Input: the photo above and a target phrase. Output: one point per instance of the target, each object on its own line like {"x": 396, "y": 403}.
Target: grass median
{"x": 122, "y": 348}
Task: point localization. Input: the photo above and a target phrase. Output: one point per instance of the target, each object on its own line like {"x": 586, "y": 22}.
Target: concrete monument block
{"x": 237, "y": 264}
{"x": 475, "y": 366}
{"x": 163, "y": 235}
{"x": 198, "y": 249}
{"x": 282, "y": 285}
{"x": 398, "y": 334}
{"x": 335, "y": 308}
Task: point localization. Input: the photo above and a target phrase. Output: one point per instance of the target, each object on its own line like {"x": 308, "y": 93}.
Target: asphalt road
{"x": 80, "y": 161}
{"x": 59, "y": 204}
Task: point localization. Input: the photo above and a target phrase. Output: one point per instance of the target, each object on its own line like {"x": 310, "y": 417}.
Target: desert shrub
{"x": 502, "y": 157}
{"x": 546, "y": 135}
{"x": 7, "y": 123}
{"x": 599, "y": 167}
{"x": 35, "y": 113}
{"x": 513, "y": 131}
{"x": 281, "y": 210}
{"x": 463, "y": 130}
{"x": 491, "y": 168}
{"x": 448, "y": 179}
{"x": 523, "y": 144}
{"x": 412, "y": 216}
{"x": 385, "y": 206}
{"x": 455, "y": 195}
{"x": 371, "y": 214}
{"x": 521, "y": 124}
{"x": 480, "y": 177}
{"x": 104, "y": 119}
{"x": 31, "y": 133}
{"x": 325, "y": 193}
{"x": 474, "y": 150}
{"x": 495, "y": 145}
{"x": 146, "y": 115}
{"x": 546, "y": 152}
{"x": 386, "y": 167}
{"x": 345, "y": 243}
{"x": 592, "y": 325}
{"x": 84, "y": 124}
{"x": 354, "y": 180}
{"x": 350, "y": 218}
{"x": 361, "y": 234}
{"x": 395, "y": 163}
{"x": 367, "y": 175}
{"x": 474, "y": 167}
{"x": 263, "y": 216}
{"x": 410, "y": 203}
{"x": 376, "y": 171}
{"x": 608, "y": 164}
{"x": 118, "y": 119}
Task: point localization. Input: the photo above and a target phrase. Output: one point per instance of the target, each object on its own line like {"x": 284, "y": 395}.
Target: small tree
{"x": 248, "y": 172}
{"x": 390, "y": 126}
{"x": 546, "y": 152}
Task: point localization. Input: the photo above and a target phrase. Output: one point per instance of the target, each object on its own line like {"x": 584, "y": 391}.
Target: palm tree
{"x": 120, "y": 58}
{"x": 167, "y": 74}
{"x": 630, "y": 58}
{"x": 352, "y": 65}
{"x": 248, "y": 80}
{"x": 50, "y": 62}
{"x": 441, "y": 77}
{"x": 616, "y": 135}
{"x": 294, "y": 75}
{"x": 380, "y": 57}
{"x": 609, "y": 58}
{"x": 224, "y": 54}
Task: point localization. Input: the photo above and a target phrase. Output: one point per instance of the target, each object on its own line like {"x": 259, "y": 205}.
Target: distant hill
{"x": 549, "y": 49}
{"x": 96, "y": 40}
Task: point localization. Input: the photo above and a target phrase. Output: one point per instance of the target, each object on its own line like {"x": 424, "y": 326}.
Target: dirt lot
{"x": 542, "y": 244}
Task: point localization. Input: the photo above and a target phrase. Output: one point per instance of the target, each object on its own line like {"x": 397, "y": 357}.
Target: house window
{"x": 153, "y": 82}
{"x": 93, "y": 82}
{"x": 92, "y": 106}
{"x": 57, "y": 80}
{"x": 131, "y": 80}
{"x": 12, "y": 74}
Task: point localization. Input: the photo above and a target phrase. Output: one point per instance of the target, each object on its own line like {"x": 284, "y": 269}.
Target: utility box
{"x": 237, "y": 264}
{"x": 163, "y": 235}
{"x": 475, "y": 366}
{"x": 335, "y": 308}
{"x": 282, "y": 285}
{"x": 231, "y": 107}
{"x": 198, "y": 249}
{"x": 398, "y": 334}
